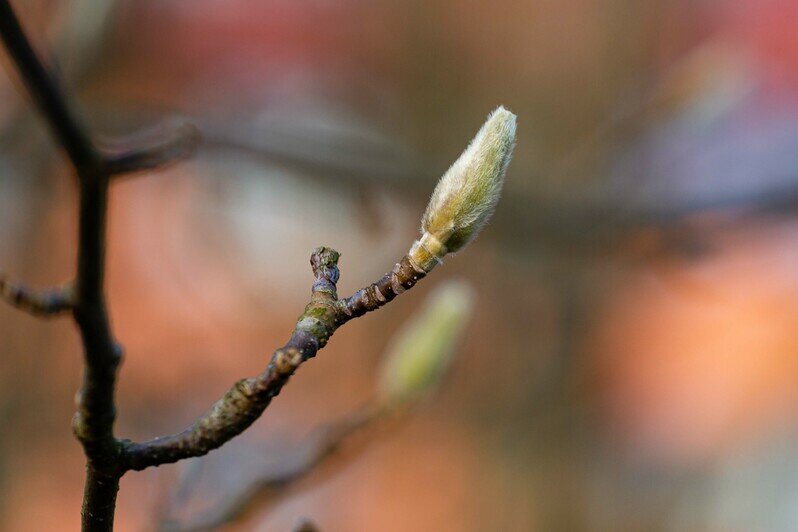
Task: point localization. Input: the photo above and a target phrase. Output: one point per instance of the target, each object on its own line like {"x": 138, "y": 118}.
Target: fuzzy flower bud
{"x": 466, "y": 195}
{"x": 420, "y": 353}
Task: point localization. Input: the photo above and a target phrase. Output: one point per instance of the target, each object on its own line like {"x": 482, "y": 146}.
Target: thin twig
{"x": 44, "y": 91}
{"x": 168, "y": 145}
{"x": 267, "y": 488}
{"x": 41, "y": 303}
{"x": 248, "y": 398}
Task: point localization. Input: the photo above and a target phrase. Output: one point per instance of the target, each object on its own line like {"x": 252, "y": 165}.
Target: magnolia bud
{"x": 466, "y": 195}
{"x": 421, "y": 351}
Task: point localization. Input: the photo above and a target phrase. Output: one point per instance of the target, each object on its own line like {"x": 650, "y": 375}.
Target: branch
{"x": 93, "y": 423}
{"x": 41, "y": 303}
{"x": 44, "y": 91}
{"x": 411, "y": 371}
{"x": 248, "y": 398}
{"x": 460, "y": 206}
{"x": 320, "y": 449}
{"x": 167, "y": 145}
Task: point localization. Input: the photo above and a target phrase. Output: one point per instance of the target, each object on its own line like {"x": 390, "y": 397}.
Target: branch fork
{"x": 460, "y": 206}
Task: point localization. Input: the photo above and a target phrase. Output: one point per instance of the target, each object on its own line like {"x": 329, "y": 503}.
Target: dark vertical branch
{"x": 93, "y": 424}
{"x": 99, "y": 500}
{"x": 45, "y": 91}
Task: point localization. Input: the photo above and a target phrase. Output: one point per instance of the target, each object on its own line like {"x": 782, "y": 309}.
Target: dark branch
{"x": 93, "y": 423}
{"x": 45, "y": 92}
{"x": 41, "y": 303}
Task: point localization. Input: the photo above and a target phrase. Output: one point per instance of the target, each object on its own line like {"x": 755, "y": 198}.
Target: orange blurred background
{"x": 631, "y": 362}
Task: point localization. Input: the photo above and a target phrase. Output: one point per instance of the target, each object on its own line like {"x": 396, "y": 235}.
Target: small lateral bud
{"x": 466, "y": 195}
{"x": 420, "y": 353}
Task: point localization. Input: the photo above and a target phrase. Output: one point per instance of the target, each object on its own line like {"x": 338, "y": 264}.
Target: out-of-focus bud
{"x": 466, "y": 195}
{"x": 420, "y": 353}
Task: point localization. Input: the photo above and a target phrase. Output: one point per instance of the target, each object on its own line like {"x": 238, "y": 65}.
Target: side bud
{"x": 420, "y": 353}
{"x": 466, "y": 195}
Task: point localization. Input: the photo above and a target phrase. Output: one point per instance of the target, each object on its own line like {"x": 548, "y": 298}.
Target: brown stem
{"x": 403, "y": 277}
{"x": 248, "y": 398}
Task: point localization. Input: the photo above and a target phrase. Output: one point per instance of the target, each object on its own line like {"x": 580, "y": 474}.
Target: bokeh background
{"x": 632, "y": 360}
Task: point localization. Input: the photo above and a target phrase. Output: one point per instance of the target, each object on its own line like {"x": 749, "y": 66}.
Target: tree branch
{"x": 93, "y": 423}
{"x": 248, "y": 398}
{"x": 41, "y": 303}
{"x": 461, "y": 204}
{"x": 168, "y": 144}
{"x": 44, "y": 91}
{"x": 411, "y": 370}
{"x": 321, "y": 448}
{"x": 404, "y": 276}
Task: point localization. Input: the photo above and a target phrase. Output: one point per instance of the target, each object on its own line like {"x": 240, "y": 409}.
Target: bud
{"x": 466, "y": 195}
{"x": 420, "y": 353}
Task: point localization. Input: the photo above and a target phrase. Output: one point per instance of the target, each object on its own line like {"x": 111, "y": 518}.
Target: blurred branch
{"x": 306, "y": 525}
{"x": 44, "y": 91}
{"x": 93, "y": 423}
{"x": 321, "y": 449}
{"x": 347, "y": 158}
{"x": 168, "y": 144}
{"x": 42, "y": 303}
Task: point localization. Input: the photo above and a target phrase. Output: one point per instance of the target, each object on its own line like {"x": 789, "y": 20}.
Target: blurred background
{"x": 632, "y": 357}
